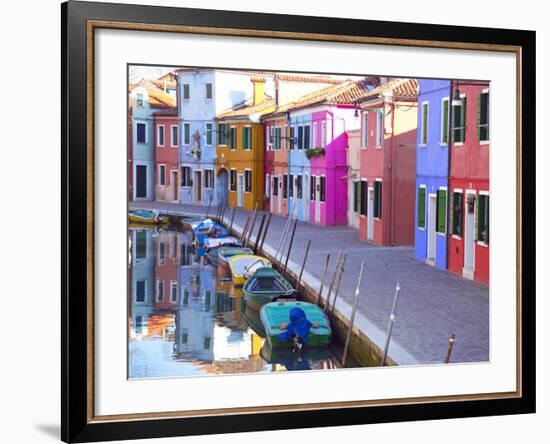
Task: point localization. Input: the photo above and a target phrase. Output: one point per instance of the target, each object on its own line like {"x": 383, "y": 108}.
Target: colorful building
{"x": 468, "y": 245}
{"x": 167, "y": 269}
{"x": 388, "y": 163}
{"x": 202, "y": 95}
{"x": 240, "y": 150}
{"x": 145, "y": 98}
{"x": 167, "y": 154}
{"x": 432, "y": 177}
{"x": 353, "y": 176}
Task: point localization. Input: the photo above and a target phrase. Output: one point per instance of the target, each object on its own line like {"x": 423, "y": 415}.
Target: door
{"x": 370, "y": 214}
{"x": 141, "y": 181}
{"x": 469, "y": 235}
{"x": 174, "y": 185}
{"x": 271, "y": 194}
{"x": 317, "y": 199}
{"x": 240, "y": 190}
{"x": 305, "y": 197}
{"x": 198, "y": 186}
{"x": 432, "y": 208}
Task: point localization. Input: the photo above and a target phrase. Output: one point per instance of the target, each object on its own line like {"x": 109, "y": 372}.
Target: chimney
{"x": 259, "y": 90}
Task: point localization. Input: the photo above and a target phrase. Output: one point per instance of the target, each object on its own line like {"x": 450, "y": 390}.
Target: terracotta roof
{"x": 307, "y": 78}
{"x": 172, "y": 111}
{"x": 246, "y": 109}
{"x": 399, "y": 88}
{"x": 157, "y": 97}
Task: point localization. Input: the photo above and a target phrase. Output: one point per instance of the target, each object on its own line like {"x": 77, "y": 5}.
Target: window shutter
{"x": 476, "y": 217}
{"x": 441, "y": 210}
{"x": 421, "y": 207}
{"x": 355, "y": 197}
{"x": 463, "y": 120}
{"x": 452, "y": 212}
{"x": 478, "y": 118}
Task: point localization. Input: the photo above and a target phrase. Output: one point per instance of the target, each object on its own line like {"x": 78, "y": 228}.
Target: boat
{"x": 212, "y": 243}
{"x": 252, "y": 317}
{"x": 222, "y": 258}
{"x": 274, "y": 314}
{"x": 266, "y": 285}
{"x": 208, "y": 228}
{"x": 147, "y": 217}
{"x": 243, "y": 266}
{"x": 189, "y": 223}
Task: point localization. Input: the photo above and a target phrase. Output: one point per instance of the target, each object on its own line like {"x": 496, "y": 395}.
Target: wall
{"x": 167, "y": 155}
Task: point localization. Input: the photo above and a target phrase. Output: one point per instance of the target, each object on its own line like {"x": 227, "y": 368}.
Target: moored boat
{"x": 266, "y": 285}
{"x": 243, "y": 266}
{"x": 212, "y": 243}
{"x": 308, "y": 359}
{"x": 147, "y": 217}
{"x": 275, "y": 314}
{"x": 208, "y": 228}
{"x": 222, "y": 258}
{"x": 190, "y": 222}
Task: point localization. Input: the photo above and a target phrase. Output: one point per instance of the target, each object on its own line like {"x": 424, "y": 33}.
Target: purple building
{"x": 432, "y": 172}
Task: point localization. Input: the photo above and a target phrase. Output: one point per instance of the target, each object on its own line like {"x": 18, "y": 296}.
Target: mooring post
{"x": 283, "y": 234}
{"x": 259, "y": 235}
{"x": 352, "y": 319}
{"x": 290, "y": 245}
{"x": 260, "y": 250}
{"x": 320, "y": 294}
{"x": 452, "y": 341}
{"x": 303, "y": 264}
{"x": 338, "y": 285}
{"x": 232, "y": 217}
{"x": 245, "y": 228}
{"x": 223, "y": 212}
{"x": 390, "y": 324}
{"x": 252, "y": 223}
{"x": 208, "y": 209}
{"x": 332, "y": 279}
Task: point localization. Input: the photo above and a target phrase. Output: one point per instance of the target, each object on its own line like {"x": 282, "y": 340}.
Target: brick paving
{"x": 433, "y": 303}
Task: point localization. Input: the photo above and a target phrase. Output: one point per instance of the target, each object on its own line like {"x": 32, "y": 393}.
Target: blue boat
{"x": 206, "y": 229}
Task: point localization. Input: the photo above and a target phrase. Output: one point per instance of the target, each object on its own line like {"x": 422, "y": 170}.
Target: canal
{"x": 185, "y": 321}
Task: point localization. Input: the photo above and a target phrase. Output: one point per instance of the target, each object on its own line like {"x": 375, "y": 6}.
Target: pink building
{"x": 167, "y": 155}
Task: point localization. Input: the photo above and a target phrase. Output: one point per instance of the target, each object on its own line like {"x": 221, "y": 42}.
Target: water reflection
{"x": 184, "y": 321}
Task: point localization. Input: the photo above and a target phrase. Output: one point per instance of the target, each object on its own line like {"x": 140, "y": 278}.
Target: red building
{"x": 468, "y": 247}
{"x": 384, "y": 194}
{"x": 167, "y": 267}
{"x": 167, "y": 154}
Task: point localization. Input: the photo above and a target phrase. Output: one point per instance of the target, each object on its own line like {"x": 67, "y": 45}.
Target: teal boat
{"x": 266, "y": 285}
{"x": 276, "y": 313}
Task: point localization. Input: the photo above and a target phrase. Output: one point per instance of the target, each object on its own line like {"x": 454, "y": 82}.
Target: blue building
{"x": 202, "y": 95}
{"x": 432, "y": 172}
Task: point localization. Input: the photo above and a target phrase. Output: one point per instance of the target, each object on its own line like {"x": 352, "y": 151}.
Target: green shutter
{"x": 441, "y": 210}
{"x": 421, "y": 216}
{"x": 478, "y": 118}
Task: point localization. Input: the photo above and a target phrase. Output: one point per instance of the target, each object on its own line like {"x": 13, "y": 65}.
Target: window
{"x": 248, "y": 181}
{"x": 421, "y": 208}
{"x": 441, "y": 218}
{"x": 141, "y": 244}
{"x": 312, "y": 187}
{"x": 160, "y": 135}
{"x": 290, "y": 185}
{"x": 208, "y": 133}
{"x": 456, "y": 214}
{"x": 140, "y": 291}
{"x": 162, "y": 252}
{"x": 174, "y": 136}
{"x": 314, "y": 135}
{"x": 365, "y": 131}
{"x": 307, "y": 134}
{"x": 162, "y": 175}
{"x": 186, "y": 91}
{"x": 186, "y": 297}
{"x": 207, "y": 341}
{"x": 233, "y": 138}
{"x": 364, "y": 194}
{"x": 444, "y": 121}
{"x": 483, "y": 117}
{"x": 286, "y": 138}
{"x": 324, "y": 133}
{"x": 277, "y": 138}
{"x": 377, "y": 211}
{"x": 356, "y": 196}
{"x": 186, "y": 134}
{"x": 186, "y": 254}
{"x": 207, "y": 300}
{"x": 173, "y": 291}
{"x": 267, "y": 185}
{"x": 186, "y": 176}
{"x": 275, "y": 186}
{"x": 459, "y": 121}
{"x": 208, "y": 178}
{"x": 208, "y": 90}
{"x": 285, "y": 186}
{"x": 322, "y": 188}
{"x": 222, "y": 134}
{"x": 424, "y": 124}
{"x": 139, "y": 100}
{"x": 160, "y": 290}
{"x": 292, "y": 142}
{"x": 379, "y": 128}
{"x": 247, "y": 138}
{"x": 233, "y": 180}
{"x": 483, "y": 218}
{"x": 141, "y": 133}
{"x": 298, "y": 187}
{"x": 300, "y": 137}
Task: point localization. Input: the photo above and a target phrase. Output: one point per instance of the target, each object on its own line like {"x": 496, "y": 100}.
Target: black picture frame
{"x": 76, "y": 326}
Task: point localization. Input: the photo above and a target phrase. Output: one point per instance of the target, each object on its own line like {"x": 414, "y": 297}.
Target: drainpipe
{"x": 449, "y": 145}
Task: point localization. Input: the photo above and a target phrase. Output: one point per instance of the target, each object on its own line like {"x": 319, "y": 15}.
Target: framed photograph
{"x": 275, "y": 221}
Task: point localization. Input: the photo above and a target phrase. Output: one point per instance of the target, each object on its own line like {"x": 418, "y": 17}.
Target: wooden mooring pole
{"x": 303, "y": 264}
{"x": 390, "y": 324}
{"x": 338, "y": 285}
{"x": 260, "y": 249}
{"x": 332, "y": 279}
{"x": 259, "y": 235}
{"x": 223, "y": 212}
{"x": 252, "y": 223}
{"x": 245, "y": 228}
{"x": 352, "y": 318}
{"x": 290, "y": 245}
{"x": 232, "y": 217}
{"x": 325, "y": 269}
{"x": 452, "y": 341}
{"x": 208, "y": 209}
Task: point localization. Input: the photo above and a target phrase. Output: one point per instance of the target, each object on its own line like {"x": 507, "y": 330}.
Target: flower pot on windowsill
{"x": 314, "y": 152}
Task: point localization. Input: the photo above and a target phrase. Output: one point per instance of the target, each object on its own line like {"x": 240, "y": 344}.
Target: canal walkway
{"x": 433, "y": 303}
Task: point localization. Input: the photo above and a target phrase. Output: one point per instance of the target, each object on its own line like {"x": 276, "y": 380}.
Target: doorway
{"x": 469, "y": 234}
{"x": 370, "y": 214}
{"x": 305, "y": 197}
{"x": 141, "y": 181}
{"x": 317, "y": 199}
{"x": 240, "y": 190}
{"x": 198, "y": 187}
{"x": 432, "y": 211}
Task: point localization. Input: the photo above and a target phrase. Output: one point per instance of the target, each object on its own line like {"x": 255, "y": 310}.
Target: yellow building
{"x": 240, "y": 149}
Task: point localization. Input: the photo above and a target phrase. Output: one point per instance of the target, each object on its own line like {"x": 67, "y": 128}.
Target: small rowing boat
{"x": 266, "y": 285}
{"x": 147, "y": 217}
{"x": 222, "y": 258}
{"x": 243, "y": 266}
{"x": 208, "y": 228}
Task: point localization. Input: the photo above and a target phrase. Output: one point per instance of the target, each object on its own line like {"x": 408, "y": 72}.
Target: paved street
{"x": 433, "y": 303}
